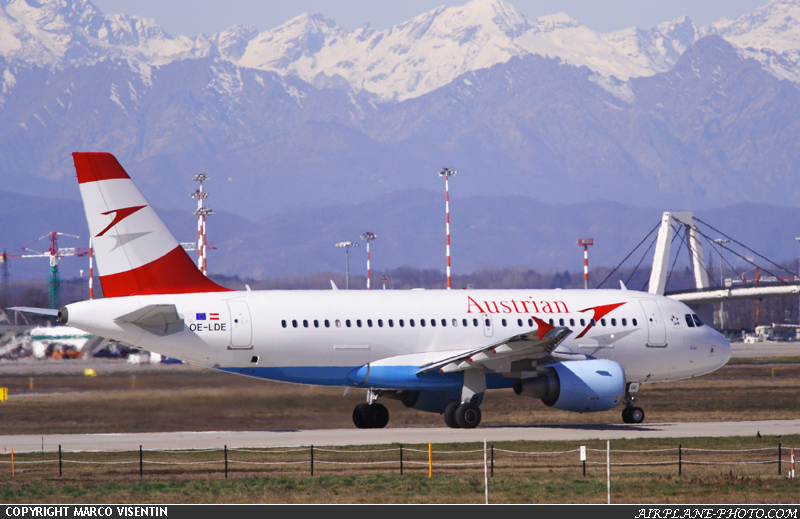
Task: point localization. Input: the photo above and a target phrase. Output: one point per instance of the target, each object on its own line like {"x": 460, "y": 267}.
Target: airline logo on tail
{"x": 136, "y": 254}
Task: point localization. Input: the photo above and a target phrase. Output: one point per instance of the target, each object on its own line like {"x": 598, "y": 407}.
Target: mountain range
{"x": 309, "y": 116}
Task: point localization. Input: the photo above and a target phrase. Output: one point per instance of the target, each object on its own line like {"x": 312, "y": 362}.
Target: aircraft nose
{"x": 722, "y": 348}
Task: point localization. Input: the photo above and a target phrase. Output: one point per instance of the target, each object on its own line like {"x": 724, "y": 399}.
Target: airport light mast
{"x": 369, "y": 237}
{"x": 447, "y": 173}
{"x": 585, "y": 242}
{"x": 347, "y": 245}
{"x": 201, "y": 213}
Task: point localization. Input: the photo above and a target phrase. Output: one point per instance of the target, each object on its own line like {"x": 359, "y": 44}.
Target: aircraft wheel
{"x": 637, "y": 415}
{"x": 360, "y": 415}
{"x": 626, "y": 415}
{"x": 378, "y": 416}
{"x": 450, "y": 415}
{"x": 468, "y": 416}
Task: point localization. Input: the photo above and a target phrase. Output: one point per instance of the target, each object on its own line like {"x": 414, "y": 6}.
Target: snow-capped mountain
{"x": 405, "y": 61}
{"x": 75, "y": 32}
{"x": 429, "y": 51}
{"x": 674, "y": 114}
{"x": 769, "y": 34}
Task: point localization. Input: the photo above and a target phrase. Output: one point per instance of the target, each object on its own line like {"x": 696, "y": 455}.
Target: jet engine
{"x": 581, "y": 386}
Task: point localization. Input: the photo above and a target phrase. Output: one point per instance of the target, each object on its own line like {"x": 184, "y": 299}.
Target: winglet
{"x": 333, "y": 286}
{"x": 544, "y": 327}
{"x": 622, "y": 285}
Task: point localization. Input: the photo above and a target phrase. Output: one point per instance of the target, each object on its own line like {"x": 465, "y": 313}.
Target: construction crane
{"x": 55, "y": 253}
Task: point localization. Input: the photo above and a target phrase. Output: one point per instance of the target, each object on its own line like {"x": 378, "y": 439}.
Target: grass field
{"x": 197, "y": 400}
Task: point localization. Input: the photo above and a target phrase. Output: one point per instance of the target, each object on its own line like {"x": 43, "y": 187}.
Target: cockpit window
{"x": 689, "y": 321}
{"x": 697, "y": 320}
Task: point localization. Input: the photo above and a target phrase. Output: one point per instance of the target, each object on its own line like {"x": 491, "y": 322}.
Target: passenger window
{"x": 633, "y": 321}
{"x": 503, "y": 321}
{"x": 474, "y": 322}
{"x": 433, "y": 322}
{"x": 380, "y": 323}
{"x": 697, "y": 320}
{"x": 327, "y": 323}
{"x": 593, "y": 322}
{"x": 519, "y": 323}
{"x": 283, "y": 323}
{"x": 444, "y": 323}
{"x": 572, "y": 322}
{"x": 613, "y": 322}
{"x": 294, "y": 323}
{"x": 421, "y": 322}
{"x": 347, "y": 323}
{"x": 464, "y": 322}
{"x": 583, "y": 323}
{"x": 402, "y": 324}
{"x": 561, "y": 322}
{"x": 391, "y": 323}
{"x": 358, "y": 323}
{"x": 316, "y": 323}
{"x": 603, "y": 321}
{"x": 530, "y": 323}
{"x": 369, "y": 323}
{"x": 338, "y": 323}
{"x": 552, "y": 323}
{"x": 689, "y": 321}
{"x": 624, "y": 322}
{"x": 455, "y": 322}
{"x": 305, "y": 323}
{"x": 488, "y": 323}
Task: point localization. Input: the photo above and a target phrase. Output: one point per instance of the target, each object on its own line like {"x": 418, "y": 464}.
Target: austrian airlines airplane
{"x": 436, "y": 351}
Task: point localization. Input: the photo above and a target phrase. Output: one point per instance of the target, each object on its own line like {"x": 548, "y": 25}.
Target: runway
{"x": 769, "y": 429}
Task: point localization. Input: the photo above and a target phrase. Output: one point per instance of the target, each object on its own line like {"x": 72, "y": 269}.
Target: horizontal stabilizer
{"x": 31, "y": 310}
{"x": 159, "y": 320}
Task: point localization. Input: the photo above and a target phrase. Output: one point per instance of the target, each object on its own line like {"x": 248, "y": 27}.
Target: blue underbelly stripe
{"x": 384, "y": 377}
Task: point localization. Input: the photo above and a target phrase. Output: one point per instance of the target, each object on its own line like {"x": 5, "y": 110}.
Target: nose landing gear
{"x": 631, "y": 413}
{"x": 371, "y": 415}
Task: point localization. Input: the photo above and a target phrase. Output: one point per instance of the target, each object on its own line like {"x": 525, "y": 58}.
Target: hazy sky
{"x": 192, "y": 17}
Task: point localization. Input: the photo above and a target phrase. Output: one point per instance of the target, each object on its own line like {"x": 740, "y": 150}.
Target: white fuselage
{"x": 321, "y": 337}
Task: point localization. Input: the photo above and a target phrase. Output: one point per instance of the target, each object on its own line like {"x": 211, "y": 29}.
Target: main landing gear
{"x": 631, "y": 413}
{"x": 463, "y": 416}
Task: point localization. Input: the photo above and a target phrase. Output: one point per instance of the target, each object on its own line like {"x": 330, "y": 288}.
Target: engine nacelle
{"x": 580, "y": 385}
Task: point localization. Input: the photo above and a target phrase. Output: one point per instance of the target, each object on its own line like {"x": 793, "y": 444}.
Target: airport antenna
{"x": 447, "y": 173}
{"x": 201, "y": 213}
{"x": 347, "y": 245}
{"x": 369, "y": 237}
{"x": 585, "y": 242}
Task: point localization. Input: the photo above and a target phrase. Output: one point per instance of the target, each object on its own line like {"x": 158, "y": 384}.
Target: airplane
{"x": 435, "y": 350}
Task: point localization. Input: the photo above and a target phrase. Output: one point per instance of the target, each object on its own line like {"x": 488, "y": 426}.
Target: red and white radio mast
{"x": 447, "y": 173}
{"x": 369, "y": 237}
{"x": 201, "y": 213}
{"x": 585, "y": 242}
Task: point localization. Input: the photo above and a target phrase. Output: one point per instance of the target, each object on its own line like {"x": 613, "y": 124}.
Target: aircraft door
{"x": 656, "y": 329}
{"x": 488, "y": 330}
{"x": 241, "y": 326}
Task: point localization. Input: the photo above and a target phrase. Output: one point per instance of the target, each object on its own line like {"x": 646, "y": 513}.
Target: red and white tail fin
{"x": 136, "y": 254}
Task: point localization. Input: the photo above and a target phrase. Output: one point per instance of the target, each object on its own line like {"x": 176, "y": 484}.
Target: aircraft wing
{"x": 538, "y": 343}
